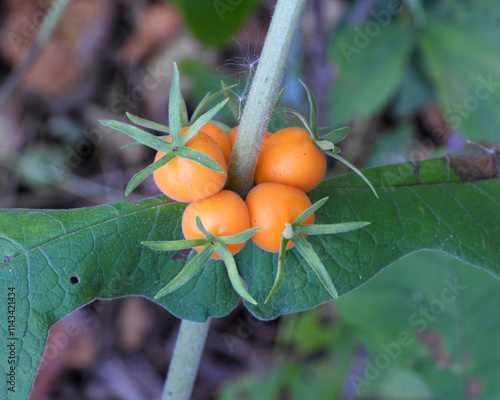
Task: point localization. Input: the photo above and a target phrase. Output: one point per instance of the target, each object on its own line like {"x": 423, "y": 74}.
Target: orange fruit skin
{"x": 223, "y": 214}
{"x": 271, "y": 205}
{"x": 232, "y": 136}
{"x": 186, "y": 180}
{"x": 291, "y": 157}
{"x": 220, "y": 138}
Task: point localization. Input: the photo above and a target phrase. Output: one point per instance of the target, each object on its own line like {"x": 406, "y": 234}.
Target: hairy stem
{"x": 263, "y": 93}
{"x": 185, "y": 361}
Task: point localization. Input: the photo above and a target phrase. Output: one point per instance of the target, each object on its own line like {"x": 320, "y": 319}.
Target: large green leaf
{"x": 451, "y": 205}
{"x": 371, "y": 61}
{"x": 463, "y": 60}
{"x": 59, "y": 260}
{"x": 214, "y": 21}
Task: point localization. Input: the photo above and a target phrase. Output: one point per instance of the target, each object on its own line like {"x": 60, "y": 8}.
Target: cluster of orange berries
{"x": 289, "y": 165}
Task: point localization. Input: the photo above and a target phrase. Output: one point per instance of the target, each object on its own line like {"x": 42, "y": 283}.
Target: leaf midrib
{"x": 92, "y": 226}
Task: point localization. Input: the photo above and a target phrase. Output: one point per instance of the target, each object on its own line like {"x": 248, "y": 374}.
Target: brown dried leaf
{"x": 156, "y": 25}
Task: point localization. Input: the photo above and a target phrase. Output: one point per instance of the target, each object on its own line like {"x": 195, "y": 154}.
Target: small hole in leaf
{"x": 74, "y": 280}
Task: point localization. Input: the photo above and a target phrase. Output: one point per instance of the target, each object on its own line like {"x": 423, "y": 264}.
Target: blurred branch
{"x": 47, "y": 28}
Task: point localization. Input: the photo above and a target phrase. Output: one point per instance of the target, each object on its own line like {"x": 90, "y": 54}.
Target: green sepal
{"x": 126, "y": 146}
{"x": 313, "y": 111}
{"x": 233, "y": 101}
{"x": 324, "y": 145}
{"x": 280, "y": 269}
{"x": 208, "y": 235}
{"x": 147, "y": 123}
{"x": 357, "y": 171}
{"x": 143, "y": 174}
{"x": 336, "y": 135}
{"x": 297, "y": 114}
{"x": 329, "y": 229}
{"x": 200, "y": 158}
{"x": 315, "y": 207}
{"x": 174, "y": 245}
{"x": 305, "y": 250}
{"x": 280, "y": 97}
{"x": 183, "y": 113}
{"x": 139, "y": 135}
{"x": 202, "y": 120}
{"x": 233, "y": 274}
{"x": 190, "y": 270}
{"x": 207, "y": 100}
{"x": 239, "y": 238}
{"x": 200, "y": 107}
{"x": 174, "y": 107}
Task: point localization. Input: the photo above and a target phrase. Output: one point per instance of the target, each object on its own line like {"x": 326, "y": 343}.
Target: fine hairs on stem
{"x": 263, "y": 94}
{"x": 242, "y": 68}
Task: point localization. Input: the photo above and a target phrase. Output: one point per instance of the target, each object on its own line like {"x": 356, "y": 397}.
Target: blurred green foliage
{"x": 214, "y": 21}
{"x": 410, "y": 52}
{"x": 424, "y": 328}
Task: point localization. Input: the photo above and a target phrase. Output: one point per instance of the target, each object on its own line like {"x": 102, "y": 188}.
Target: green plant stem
{"x": 185, "y": 361}
{"x": 263, "y": 93}
{"x": 45, "y": 32}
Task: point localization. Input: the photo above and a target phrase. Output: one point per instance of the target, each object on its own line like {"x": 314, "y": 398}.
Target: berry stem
{"x": 263, "y": 93}
{"x": 185, "y": 361}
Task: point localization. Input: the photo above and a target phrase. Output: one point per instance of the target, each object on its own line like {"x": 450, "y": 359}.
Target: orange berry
{"x": 271, "y": 206}
{"x": 223, "y": 214}
{"x": 291, "y": 157}
{"x": 220, "y": 138}
{"x": 186, "y": 180}
{"x": 232, "y": 136}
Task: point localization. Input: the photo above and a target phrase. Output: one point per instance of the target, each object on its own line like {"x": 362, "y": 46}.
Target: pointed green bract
{"x": 351, "y": 166}
{"x": 139, "y": 135}
{"x": 183, "y": 114}
{"x": 141, "y": 175}
{"x": 280, "y": 269}
{"x": 193, "y": 129}
{"x": 313, "y": 111}
{"x": 163, "y": 137}
{"x": 280, "y": 96}
{"x": 200, "y": 107}
{"x": 315, "y": 207}
{"x": 190, "y": 270}
{"x": 239, "y": 238}
{"x": 233, "y": 274}
{"x": 233, "y": 102}
{"x": 209, "y": 97}
{"x": 336, "y": 135}
{"x": 147, "y": 124}
{"x": 200, "y": 158}
{"x": 174, "y": 104}
{"x": 297, "y": 114}
{"x": 330, "y": 229}
{"x": 306, "y": 251}
{"x": 324, "y": 145}
{"x": 174, "y": 245}
{"x": 201, "y": 228}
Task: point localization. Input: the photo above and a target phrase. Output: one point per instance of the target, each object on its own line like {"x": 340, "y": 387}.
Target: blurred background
{"x": 413, "y": 79}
